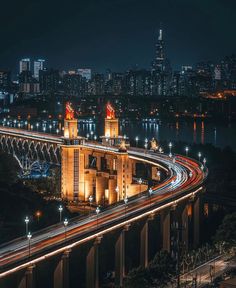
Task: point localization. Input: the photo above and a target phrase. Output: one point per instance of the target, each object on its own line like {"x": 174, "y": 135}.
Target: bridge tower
{"x": 111, "y": 135}
{"x": 70, "y": 157}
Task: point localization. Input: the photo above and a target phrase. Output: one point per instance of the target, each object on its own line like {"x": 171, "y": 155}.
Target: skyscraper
{"x": 38, "y": 66}
{"x": 159, "y": 61}
{"x": 24, "y": 65}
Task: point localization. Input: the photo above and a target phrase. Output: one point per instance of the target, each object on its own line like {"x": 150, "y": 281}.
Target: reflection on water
{"x": 192, "y": 131}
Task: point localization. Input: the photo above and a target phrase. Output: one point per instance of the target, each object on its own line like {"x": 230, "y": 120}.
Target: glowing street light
{"x": 140, "y": 181}
{"x": 29, "y": 236}
{"x": 199, "y": 156}
{"x": 27, "y": 224}
{"x": 204, "y": 161}
{"x": 60, "y": 209}
{"x": 117, "y": 191}
{"x": 65, "y": 225}
{"x": 126, "y": 202}
{"x": 136, "y": 140}
{"x": 90, "y": 203}
{"x": 186, "y": 150}
{"x": 57, "y": 130}
{"x": 38, "y": 214}
{"x": 150, "y": 192}
{"x": 170, "y": 148}
{"x": 97, "y": 212}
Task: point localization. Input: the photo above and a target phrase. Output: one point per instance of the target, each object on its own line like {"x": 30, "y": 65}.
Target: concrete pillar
{"x": 144, "y": 245}
{"x": 61, "y": 272}
{"x": 101, "y": 185}
{"x": 165, "y": 224}
{"x": 28, "y": 279}
{"x": 92, "y": 269}
{"x": 112, "y": 183}
{"x": 120, "y": 259}
{"x": 185, "y": 228}
{"x": 196, "y": 223}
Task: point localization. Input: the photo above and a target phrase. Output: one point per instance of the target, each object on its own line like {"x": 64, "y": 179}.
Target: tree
{"x": 138, "y": 278}
{"x": 162, "y": 268}
{"x": 159, "y": 271}
{"x": 9, "y": 169}
{"x": 226, "y": 233}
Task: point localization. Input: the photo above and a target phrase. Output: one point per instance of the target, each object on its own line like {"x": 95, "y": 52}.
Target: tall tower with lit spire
{"x": 159, "y": 61}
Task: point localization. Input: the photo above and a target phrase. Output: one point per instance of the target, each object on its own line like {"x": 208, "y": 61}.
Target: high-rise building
{"x": 38, "y": 66}
{"x": 49, "y": 80}
{"x": 24, "y": 65}
{"x": 5, "y": 80}
{"x": 159, "y": 61}
{"x": 85, "y": 73}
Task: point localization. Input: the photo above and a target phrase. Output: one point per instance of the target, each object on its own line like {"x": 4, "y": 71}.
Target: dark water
{"x": 191, "y": 131}
{"x": 220, "y": 135}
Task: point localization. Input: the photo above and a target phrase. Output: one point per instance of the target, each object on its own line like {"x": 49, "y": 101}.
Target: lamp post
{"x": 26, "y": 225}
{"x": 140, "y": 181}
{"x": 170, "y": 148}
{"x": 199, "y": 156}
{"x": 65, "y": 225}
{"x": 150, "y": 192}
{"x": 136, "y": 140}
{"x": 204, "y": 161}
{"x": 90, "y": 203}
{"x": 117, "y": 191}
{"x": 186, "y": 150}
{"x": 126, "y": 201}
{"x": 29, "y": 236}
{"x": 97, "y": 212}
{"x": 60, "y": 209}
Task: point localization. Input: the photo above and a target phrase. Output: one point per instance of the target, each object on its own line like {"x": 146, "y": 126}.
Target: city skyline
{"x": 88, "y": 36}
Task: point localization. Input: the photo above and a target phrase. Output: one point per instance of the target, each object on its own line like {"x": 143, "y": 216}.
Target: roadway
{"x": 185, "y": 179}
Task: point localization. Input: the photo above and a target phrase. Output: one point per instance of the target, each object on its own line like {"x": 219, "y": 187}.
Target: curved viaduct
{"x": 179, "y": 189}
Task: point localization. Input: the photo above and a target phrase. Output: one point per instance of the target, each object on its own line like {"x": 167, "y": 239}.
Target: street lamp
{"x": 126, "y": 201}
{"x": 97, "y": 212}
{"x": 29, "y": 236}
{"x": 199, "y": 156}
{"x": 150, "y": 192}
{"x": 65, "y": 225}
{"x": 136, "y": 140}
{"x": 117, "y": 191}
{"x": 140, "y": 181}
{"x": 26, "y": 224}
{"x": 170, "y": 147}
{"x": 204, "y": 161}
{"x": 60, "y": 209}
{"x": 90, "y": 202}
{"x": 186, "y": 150}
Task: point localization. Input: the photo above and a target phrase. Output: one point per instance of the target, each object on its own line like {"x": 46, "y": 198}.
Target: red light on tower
{"x": 110, "y": 112}
{"x": 69, "y": 111}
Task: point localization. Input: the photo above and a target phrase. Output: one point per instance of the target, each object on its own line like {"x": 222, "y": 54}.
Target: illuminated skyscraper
{"x": 38, "y": 66}
{"x": 24, "y": 65}
{"x": 159, "y": 61}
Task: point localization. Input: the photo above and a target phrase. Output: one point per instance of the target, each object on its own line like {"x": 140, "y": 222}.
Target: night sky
{"x": 115, "y": 34}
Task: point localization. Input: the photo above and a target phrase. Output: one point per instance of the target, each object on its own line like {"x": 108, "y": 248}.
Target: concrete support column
{"x": 185, "y": 228}
{"x": 28, "y": 279}
{"x": 120, "y": 259}
{"x": 92, "y": 269}
{"x": 144, "y": 245}
{"x": 165, "y": 223}
{"x": 196, "y": 223}
{"x": 61, "y": 272}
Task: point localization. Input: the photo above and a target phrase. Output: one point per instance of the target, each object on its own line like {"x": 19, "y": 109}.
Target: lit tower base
{"x": 112, "y": 136}
{"x": 70, "y": 158}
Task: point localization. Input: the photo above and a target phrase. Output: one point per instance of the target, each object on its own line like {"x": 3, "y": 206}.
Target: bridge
{"x": 106, "y": 171}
